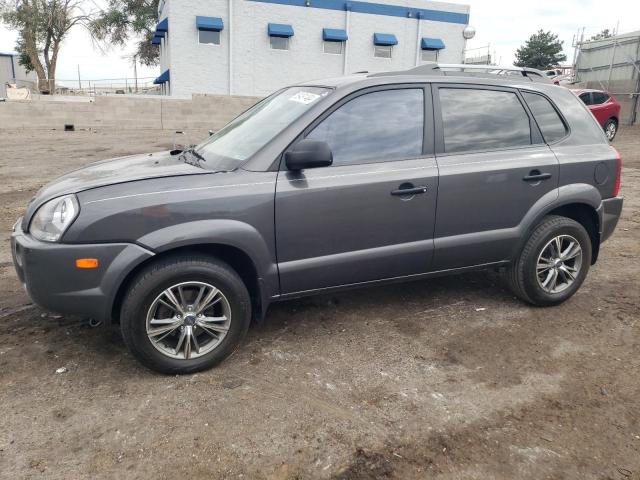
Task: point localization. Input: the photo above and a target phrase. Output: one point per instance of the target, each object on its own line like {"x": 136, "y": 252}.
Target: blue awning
{"x": 156, "y": 40}
{"x": 432, "y": 44}
{"x": 212, "y": 24}
{"x": 280, "y": 30}
{"x": 384, "y": 39}
{"x": 334, "y": 35}
{"x": 163, "y": 26}
{"x": 162, "y": 78}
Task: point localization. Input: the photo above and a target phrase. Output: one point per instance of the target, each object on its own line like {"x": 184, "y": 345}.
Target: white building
{"x": 253, "y": 47}
{"x": 12, "y": 72}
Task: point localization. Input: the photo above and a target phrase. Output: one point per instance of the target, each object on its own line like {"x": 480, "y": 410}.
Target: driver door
{"x": 352, "y": 222}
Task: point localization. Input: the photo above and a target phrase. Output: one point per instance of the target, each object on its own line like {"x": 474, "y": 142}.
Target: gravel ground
{"x": 446, "y": 378}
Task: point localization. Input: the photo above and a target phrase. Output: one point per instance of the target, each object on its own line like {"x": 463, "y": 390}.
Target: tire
{"x": 149, "y": 307}
{"x": 610, "y": 129}
{"x": 530, "y": 271}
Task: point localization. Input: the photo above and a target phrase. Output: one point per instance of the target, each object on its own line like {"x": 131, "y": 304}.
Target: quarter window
{"x": 380, "y": 126}
{"x": 279, "y": 43}
{"x": 382, "y": 51}
{"x": 333, "y": 47}
{"x": 209, "y": 37}
{"x": 482, "y": 120}
{"x": 547, "y": 118}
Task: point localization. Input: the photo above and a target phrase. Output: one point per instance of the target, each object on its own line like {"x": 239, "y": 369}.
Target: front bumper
{"x": 49, "y": 274}
{"x": 611, "y": 209}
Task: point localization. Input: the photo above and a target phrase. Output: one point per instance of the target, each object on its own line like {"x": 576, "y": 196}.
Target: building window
{"x": 209, "y": 37}
{"x": 429, "y": 55}
{"x": 333, "y": 47}
{"x": 382, "y": 51}
{"x": 279, "y": 43}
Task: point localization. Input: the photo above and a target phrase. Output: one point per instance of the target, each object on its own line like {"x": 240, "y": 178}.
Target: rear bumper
{"x": 611, "y": 209}
{"x": 52, "y": 281}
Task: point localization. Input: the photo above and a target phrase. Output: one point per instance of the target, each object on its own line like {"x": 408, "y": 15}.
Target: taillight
{"x": 616, "y": 188}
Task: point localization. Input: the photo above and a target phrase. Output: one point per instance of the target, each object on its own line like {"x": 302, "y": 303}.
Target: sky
{"x": 504, "y": 25}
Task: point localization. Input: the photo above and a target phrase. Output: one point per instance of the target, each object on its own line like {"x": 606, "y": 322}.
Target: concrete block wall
{"x": 201, "y": 111}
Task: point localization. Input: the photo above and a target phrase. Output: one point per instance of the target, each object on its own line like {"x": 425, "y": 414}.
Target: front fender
{"x": 227, "y": 232}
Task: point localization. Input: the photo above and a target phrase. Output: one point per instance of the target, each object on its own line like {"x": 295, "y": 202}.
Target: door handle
{"x": 536, "y": 176}
{"x": 403, "y": 192}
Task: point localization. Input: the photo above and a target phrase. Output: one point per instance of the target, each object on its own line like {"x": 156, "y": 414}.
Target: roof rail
{"x": 434, "y": 68}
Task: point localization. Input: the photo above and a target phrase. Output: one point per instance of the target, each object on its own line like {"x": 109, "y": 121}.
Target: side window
{"x": 599, "y": 97}
{"x": 586, "y": 98}
{"x": 547, "y": 118}
{"x": 482, "y": 120}
{"x": 375, "y": 127}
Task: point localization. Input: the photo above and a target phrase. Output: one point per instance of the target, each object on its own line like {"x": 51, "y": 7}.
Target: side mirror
{"x": 308, "y": 154}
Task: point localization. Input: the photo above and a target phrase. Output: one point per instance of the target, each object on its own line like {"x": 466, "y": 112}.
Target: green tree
{"x": 42, "y": 25}
{"x": 603, "y": 34}
{"x": 543, "y": 50}
{"x": 123, "y": 20}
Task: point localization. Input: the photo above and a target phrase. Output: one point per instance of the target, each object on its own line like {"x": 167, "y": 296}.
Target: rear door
{"x": 494, "y": 166}
{"x": 351, "y": 222}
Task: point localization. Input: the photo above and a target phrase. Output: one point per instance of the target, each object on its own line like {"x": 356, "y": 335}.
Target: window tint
{"x": 375, "y": 127}
{"x": 586, "y": 98}
{"x": 599, "y": 97}
{"x": 482, "y": 120}
{"x": 546, "y": 116}
{"x": 206, "y": 36}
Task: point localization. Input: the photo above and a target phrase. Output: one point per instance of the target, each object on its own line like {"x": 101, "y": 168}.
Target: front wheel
{"x": 553, "y": 263}
{"x": 185, "y": 314}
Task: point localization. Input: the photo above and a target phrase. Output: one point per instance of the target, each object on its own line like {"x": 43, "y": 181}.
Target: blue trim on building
{"x": 163, "y": 26}
{"x": 211, "y": 24}
{"x": 165, "y": 77}
{"x": 334, "y": 35}
{"x": 431, "y": 43}
{"x": 377, "y": 9}
{"x": 385, "y": 39}
{"x": 280, "y": 30}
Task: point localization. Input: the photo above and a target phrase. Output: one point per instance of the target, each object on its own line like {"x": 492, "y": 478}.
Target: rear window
{"x": 586, "y": 98}
{"x": 482, "y": 120}
{"x": 547, "y": 118}
{"x": 599, "y": 97}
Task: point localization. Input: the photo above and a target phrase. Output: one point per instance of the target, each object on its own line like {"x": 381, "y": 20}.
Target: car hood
{"x": 113, "y": 171}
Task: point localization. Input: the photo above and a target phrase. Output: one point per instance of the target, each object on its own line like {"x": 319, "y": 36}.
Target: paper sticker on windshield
{"x": 304, "y": 97}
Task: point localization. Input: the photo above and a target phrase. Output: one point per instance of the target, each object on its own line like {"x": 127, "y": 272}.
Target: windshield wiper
{"x": 192, "y": 157}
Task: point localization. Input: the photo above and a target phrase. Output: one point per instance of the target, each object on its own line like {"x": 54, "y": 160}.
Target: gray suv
{"x": 353, "y": 181}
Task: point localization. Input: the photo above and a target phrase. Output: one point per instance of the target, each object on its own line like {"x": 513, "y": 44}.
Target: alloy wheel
{"x": 610, "y": 130}
{"x": 559, "y": 264}
{"x": 188, "y": 320}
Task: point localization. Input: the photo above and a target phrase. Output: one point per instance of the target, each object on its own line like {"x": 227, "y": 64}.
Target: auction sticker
{"x": 304, "y": 97}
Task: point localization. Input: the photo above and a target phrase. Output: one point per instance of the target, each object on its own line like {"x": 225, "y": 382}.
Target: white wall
{"x": 259, "y": 70}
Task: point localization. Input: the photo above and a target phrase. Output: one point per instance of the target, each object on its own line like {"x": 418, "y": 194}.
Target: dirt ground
{"x": 450, "y": 378}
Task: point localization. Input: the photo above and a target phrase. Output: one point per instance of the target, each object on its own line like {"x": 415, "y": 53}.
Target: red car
{"x": 604, "y": 107}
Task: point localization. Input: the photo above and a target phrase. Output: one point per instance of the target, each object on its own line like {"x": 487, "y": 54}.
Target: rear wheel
{"x": 611, "y": 128}
{"x": 553, "y": 263}
{"x": 185, "y": 314}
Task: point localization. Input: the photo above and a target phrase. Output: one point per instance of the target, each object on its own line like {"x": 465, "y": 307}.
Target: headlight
{"x": 53, "y": 218}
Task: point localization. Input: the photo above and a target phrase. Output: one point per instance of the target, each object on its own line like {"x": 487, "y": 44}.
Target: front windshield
{"x": 252, "y": 130}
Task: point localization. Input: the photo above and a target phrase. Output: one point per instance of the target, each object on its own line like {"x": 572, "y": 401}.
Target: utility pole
{"x": 79, "y": 81}
{"x": 135, "y": 71}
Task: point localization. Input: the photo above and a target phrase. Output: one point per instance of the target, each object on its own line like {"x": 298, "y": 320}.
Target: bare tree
{"x": 42, "y": 25}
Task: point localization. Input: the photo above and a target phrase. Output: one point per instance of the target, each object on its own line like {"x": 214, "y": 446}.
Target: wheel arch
{"x": 237, "y": 259}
